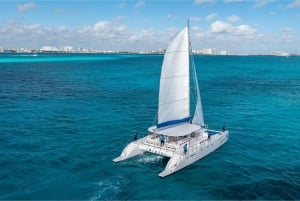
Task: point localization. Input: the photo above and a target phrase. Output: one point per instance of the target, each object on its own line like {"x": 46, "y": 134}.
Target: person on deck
{"x": 162, "y": 140}
{"x": 185, "y": 148}
{"x": 224, "y": 128}
{"x": 135, "y": 137}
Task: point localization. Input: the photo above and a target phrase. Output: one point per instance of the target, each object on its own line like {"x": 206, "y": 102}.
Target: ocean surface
{"x": 64, "y": 117}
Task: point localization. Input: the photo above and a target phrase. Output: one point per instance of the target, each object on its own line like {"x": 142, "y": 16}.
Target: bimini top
{"x": 178, "y": 130}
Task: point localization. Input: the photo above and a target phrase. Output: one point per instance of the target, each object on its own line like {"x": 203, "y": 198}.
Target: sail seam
{"x": 174, "y": 101}
{"x": 186, "y": 75}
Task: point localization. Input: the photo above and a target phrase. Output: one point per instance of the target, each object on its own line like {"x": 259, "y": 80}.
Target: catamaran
{"x": 177, "y": 135}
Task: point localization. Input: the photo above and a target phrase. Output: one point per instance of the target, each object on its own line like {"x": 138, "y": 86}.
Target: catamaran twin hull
{"x": 199, "y": 144}
{"x": 178, "y": 134}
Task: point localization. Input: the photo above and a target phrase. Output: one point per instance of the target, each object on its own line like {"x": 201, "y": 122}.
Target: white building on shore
{"x": 67, "y": 48}
{"x": 49, "y": 49}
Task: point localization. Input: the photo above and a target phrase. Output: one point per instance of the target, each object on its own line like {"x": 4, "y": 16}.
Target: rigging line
{"x": 194, "y": 76}
{"x": 197, "y": 91}
{"x": 194, "y": 96}
{"x": 189, "y": 52}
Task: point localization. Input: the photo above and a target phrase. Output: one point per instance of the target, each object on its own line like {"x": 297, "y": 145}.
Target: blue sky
{"x": 238, "y": 26}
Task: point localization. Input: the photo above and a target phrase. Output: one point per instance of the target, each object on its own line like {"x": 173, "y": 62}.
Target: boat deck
{"x": 172, "y": 145}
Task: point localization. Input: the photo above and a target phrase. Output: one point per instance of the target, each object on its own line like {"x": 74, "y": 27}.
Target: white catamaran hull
{"x": 179, "y": 162}
{"x": 178, "y": 159}
{"x": 130, "y": 151}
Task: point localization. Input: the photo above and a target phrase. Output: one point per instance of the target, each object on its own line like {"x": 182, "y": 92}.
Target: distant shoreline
{"x": 136, "y": 53}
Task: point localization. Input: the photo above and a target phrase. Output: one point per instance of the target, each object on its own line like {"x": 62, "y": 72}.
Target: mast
{"x": 189, "y": 58}
{"x": 188, "y": 27}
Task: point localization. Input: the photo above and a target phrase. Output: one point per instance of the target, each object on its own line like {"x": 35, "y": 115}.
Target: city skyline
{"x": 238, "y": 26}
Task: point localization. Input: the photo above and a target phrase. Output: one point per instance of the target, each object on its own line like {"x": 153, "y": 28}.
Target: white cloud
{"x": 140, "y": 4}
{"x": 294, "y": 4}
{"x": 26, "y": 6}
{"x": 262, "y": 3}
{"x": 101, "y": 25}
{"x": 211, "y": 16}
{"x": 220, "y": 27}
{"x": 115, "y": 35}
{"x": 101, "y": 34}
{"x": 233, "y": 18}
{"x": 227, "y": 31}
{"x": 240, "y": 38}
{"x": 244, "y": 30}
{"x": 203, "y": 1}
{"x": 257, "y": 3}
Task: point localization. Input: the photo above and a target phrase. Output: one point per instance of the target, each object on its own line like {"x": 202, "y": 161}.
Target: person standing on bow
{"x": 162, "y": 140}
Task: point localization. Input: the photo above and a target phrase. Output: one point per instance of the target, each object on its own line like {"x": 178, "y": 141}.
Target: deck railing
{"x": 166, "y": 149}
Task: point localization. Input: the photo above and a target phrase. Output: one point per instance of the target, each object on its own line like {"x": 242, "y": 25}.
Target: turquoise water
{"x": 63, "y": 118}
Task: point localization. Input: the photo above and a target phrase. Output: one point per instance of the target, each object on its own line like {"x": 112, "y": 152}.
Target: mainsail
{"x": 174, "y": 91}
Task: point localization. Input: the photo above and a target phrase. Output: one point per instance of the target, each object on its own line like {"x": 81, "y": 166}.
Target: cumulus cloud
{"x": 102, "y": 35}
{"x": 99, "y": 26}
{"x": 115, "y": 35}
{"x": 36, "y": 35}
{"x": 220, "y": 27}
{"x": 227, "y": 31}
{"x": 26, "y": 6}
{"x": 203, "y": 1}
{"x": 102, "y": 31}
{"x": 224, "y": 27}
{"x": 211, "y": 16}
{"x": 244, "y": 30}
{"x": 234, "y": 38}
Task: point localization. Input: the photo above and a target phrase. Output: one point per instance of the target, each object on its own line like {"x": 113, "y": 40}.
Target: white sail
{"x": 174, "y": 92}
{"x": 198, "y": 115}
